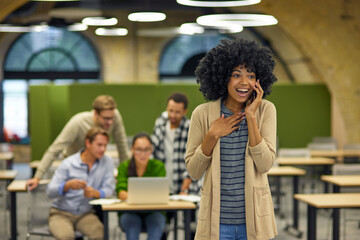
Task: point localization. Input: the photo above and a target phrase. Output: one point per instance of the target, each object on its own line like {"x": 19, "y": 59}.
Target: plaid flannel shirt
{"x": 181, "y": 134}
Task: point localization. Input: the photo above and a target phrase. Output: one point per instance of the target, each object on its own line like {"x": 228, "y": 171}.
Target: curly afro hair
{"x": 214, "y": 70}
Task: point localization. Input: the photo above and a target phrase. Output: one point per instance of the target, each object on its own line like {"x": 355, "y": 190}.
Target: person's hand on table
{"x": 32, "y": 183}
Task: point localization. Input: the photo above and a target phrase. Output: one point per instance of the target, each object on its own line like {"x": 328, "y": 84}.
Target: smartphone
{"x": 253, "y": 96}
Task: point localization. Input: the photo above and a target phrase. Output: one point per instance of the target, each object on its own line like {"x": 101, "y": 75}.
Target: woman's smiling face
{"x": 241, "y": 85}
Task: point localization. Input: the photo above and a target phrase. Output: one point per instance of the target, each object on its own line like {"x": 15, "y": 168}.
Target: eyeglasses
{"x": 142, "y": 150}
{"x": 107, "y": 118}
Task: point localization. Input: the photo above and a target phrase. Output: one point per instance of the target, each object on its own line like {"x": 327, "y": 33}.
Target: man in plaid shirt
{"x": 169, "y": 139}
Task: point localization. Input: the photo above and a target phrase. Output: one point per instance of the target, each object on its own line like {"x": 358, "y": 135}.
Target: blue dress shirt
{"x": 100, "y": 177}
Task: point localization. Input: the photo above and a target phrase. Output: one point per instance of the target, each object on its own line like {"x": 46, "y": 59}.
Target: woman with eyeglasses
{"x": 140, "y": 165}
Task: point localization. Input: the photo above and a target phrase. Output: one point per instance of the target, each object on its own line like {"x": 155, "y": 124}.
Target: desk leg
{"x": 277, "y": 194}
{"x": 175, "y": 225}
{"x": 294, "y": 229}
{"x": 336, "y": 224}
{"x": 187, "y": 216}
{"x": 311, "y": 224}
{"x": 327, "y": 172}
{"x": 13, "y": 215}
{"x": 10, "y": 164}
{"x": 106, "y": 224}
{"x": 295, "y": 202}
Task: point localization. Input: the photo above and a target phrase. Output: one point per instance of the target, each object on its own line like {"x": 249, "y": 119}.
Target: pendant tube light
{"x": 197, "y": 3}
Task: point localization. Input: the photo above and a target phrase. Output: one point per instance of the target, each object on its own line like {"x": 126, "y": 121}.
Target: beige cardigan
{"x": 260, "y": 218}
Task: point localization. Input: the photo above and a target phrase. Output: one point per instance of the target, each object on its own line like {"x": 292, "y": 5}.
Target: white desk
{"x": 15, "y": 187}
{"x": 8, "y": 157}
{"x": 172, "y": 206}
{"x": 339, "y": 154}
{"x": 309, "y": 161}
{"x": 288, "y": 171}
{"x": 339, "y": 181}
{"x": 327, "y": 200}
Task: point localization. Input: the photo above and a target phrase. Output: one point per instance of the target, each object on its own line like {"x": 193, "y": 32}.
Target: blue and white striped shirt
{"x": 232, "y": 161}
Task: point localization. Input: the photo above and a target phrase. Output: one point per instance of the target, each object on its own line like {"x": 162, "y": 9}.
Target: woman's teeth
{"x": 242, "y": 90}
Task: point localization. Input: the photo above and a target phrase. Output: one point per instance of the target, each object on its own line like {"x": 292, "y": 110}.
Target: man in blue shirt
{"x": 84, "y": 176}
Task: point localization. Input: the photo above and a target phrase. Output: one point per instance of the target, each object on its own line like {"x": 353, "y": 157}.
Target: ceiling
{"x": 63, "y": 14}
{"x": 33, "y": 11}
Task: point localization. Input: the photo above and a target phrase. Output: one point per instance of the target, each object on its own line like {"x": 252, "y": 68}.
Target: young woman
{"x": 140, "y": 165}
{"x": 232, "y": 139}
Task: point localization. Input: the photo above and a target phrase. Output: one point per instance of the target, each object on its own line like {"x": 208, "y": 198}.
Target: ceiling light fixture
{"x": 246, "y": 20}
{"x": 226, "y": 27}
{"x": 99, "y": 21}
{"x": 76, "y": 27}
{"x": 111, "y": 31}
{"x": 191, "y": 28}
{"x": 55, "y": 0}
{"x": 223, "y": 27}
{"x": 39, "y": 28}
{"x": 147, "y": 17}
{"x": 10, "y": 28}
{"x": 14, "y": 29}
{"x": 234, "y": 3}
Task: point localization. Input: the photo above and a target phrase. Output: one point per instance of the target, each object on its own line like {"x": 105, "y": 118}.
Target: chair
{"x": 38, "y": 212}
{"x": 324, "y": 140}
{"x": 347, "y": 169}
{"x": 120, "y": 234}
{"x": 294, "y": 152}
{"x": 322, "y": 146}
{"x": 329, "y": 145}
{"x": 353, "y": 146}
{"x": 4, "y": 197}
{"x": 285, "y": 152}
{"x": 324, "y": 143}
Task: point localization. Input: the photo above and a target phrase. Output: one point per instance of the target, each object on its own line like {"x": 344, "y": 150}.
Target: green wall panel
{"x": 59, "y": 106}
{"x": 303, "y": 111}
{"x": 136, "y": 103}
{"x": 40, "y": 120}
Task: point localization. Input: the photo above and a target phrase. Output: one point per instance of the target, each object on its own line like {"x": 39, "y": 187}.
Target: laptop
{"x": 148, "y": 190}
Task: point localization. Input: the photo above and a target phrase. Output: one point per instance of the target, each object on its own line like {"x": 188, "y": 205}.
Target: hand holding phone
{"x": 256, "y": 90}
{"x": 253, "y": 96}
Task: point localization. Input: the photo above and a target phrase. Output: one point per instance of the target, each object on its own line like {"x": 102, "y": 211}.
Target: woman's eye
{"x": 251, "y": 77}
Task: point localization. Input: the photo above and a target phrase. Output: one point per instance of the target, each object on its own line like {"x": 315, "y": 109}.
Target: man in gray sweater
{"x": 71, "y": 138}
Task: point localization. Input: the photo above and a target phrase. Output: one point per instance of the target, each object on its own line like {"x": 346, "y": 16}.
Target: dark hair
{"x": 94, "y": 131}
{"x": 132, "y": 166}
{"x": 179, "y": 98}
{"x": 214, "y": 70}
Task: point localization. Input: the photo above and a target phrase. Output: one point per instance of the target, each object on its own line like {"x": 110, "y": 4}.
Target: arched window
{"x": 181, "y": 55}
{"x": 53, "y": 56}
